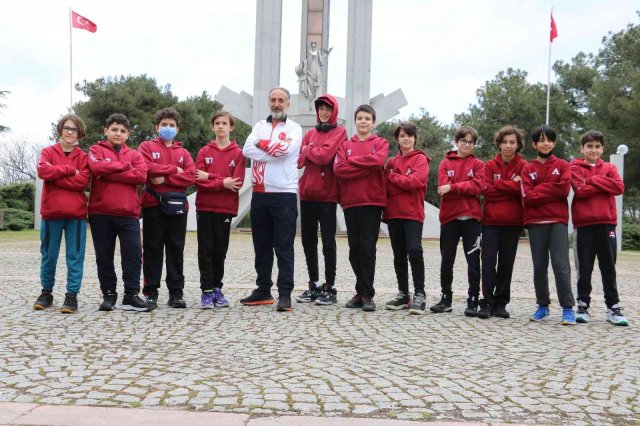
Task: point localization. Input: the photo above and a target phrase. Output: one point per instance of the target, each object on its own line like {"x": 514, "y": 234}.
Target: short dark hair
{"x": 76, "y": 120}
{"x": 365, "y": 108}
{"x": 219, "y": 114}
{"x": 118, "y": 119}
{"x": 592, "y": 136}
{"x": 537, "y": 132}
{"x": 506, "y": 131}
{"x": 408, "y": 127}
{"x": 169, "y": 113}
{"x": 465, "y": 130}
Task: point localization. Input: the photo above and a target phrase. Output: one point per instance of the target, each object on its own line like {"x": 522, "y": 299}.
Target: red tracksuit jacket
{"x": 466, "y": 177}
{"x": 545, "y": 188}
{"x": 317, "y": 154}
{"x": 502, "y": 201}
{"x": 115, "y": 179}
{"x": 63, "y": 194}
{"x": 212, "y": 196}
{"x": 162, "y": 160}
{"x": 359, "y": 167}
{"x": 594, "y": 191}
{"x": 406, "y": 185}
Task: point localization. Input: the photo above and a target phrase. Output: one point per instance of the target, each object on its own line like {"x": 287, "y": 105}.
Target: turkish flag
{"x": 79, "y": 21}
{"x": 554, "y": 31}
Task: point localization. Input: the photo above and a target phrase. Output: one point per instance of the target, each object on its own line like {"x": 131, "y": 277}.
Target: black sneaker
{"x": 176, "y": 300}
{"x": 70, "y": 304}
{"x": 485, "y": 310}
{"x": 444, "y": 305}
{"x": 501, "y": 312}
{"x": 419, "y": 304}
{"x": 310, "y": 295}
{"x": 472, "y": 307}
{"x": 258, "y": 297}
{"x": 133, "y": 302}
{"x": 328, "y": 296}
{"x": 355, "y": 302}
{"x": 151, "y": 296}
{"x": 400, "y": 301}
{"x": 44, "y": 301}
{"x": 368, "y": 305}
{"x": 109, "y": 301}
{"x": 284, "y": 304}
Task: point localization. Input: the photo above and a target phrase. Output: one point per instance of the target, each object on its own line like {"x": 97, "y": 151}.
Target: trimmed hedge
{"x": 17, "y": 220}
{"x": 630, "y": 235}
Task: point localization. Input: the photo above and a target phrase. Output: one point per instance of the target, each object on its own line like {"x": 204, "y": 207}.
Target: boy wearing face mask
{"x": 171, "y": 169}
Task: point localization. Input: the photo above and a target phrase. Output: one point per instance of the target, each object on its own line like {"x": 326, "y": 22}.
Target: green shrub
{"x": 19, "y": 195}
{"x": 630, "y": 234}
{"x": 17, "y": 220}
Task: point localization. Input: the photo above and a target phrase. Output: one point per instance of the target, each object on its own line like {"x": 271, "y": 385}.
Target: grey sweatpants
{"x": 551, "y": 239}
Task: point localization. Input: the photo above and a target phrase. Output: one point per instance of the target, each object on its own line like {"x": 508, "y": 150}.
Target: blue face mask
{"x": 167, "y": 133}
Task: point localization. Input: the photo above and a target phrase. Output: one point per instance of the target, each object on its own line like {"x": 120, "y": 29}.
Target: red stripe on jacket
{"x": 502, "y": 199}
{"x": 359, "y": 167}
{"x": 163, "y": 161}
{"x": 65, "y": 180}
{"x": 594, "y": 191}
{"x": 212, "y": 196}
{"x": 545, "y": 188}
{"x": 466, "y": 177}
{"x": 406, "y": 179}
{"x": 115, "y": 179}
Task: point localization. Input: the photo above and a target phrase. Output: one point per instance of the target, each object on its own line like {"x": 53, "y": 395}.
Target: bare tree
{"x": 3, "y": 94}
{"x": 18, "y": 161}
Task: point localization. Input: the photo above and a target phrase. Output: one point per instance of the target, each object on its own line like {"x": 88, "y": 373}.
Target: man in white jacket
{"x": 273, "y": 148}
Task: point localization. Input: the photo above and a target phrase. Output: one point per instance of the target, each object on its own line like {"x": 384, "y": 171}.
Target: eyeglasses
{"x": 70, "y": 129}
{"x": 466, "y": 142}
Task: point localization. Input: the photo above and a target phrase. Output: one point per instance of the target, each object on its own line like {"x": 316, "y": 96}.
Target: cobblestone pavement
{"x": 319, "y": 361}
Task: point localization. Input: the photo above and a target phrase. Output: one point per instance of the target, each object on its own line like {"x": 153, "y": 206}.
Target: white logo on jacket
{"x": 555, "y": 171}
{"x": 496, "y": 176}
{"x": 470, "y": 174}
{"x": 451, "y": 173}
{"x": 533, "y": 175}
{"x": 408, "y": 171}
{"x": 155, "y": 155}
{"x": 181, "y": 160}
{"x": 208, "y": 160}
{"x": 232, "y": 163}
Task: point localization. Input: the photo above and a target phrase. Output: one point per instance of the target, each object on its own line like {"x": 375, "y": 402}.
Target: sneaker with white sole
{"x": 615, "y": 317}
{"x": 400, "y": 301}
{"x": 582, "y": 315}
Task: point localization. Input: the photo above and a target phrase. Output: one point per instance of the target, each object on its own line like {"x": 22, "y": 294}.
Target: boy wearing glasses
{"x": 63, "y": 168}
{"x": 460, "y": 182}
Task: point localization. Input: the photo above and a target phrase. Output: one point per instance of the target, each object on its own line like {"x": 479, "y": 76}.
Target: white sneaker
{"x": 615, "y": 317}
{"x": 582, "y": 315}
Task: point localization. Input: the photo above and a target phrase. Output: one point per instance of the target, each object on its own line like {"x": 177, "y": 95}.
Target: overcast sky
{"x": 437, "y": 52}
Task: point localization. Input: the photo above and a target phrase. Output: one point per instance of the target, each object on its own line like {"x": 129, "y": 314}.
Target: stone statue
{"x": 309, "y": 71}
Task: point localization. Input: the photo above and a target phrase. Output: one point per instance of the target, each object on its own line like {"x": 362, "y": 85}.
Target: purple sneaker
{"x": 206, "y": 301}
{"x": 218, "y": 299}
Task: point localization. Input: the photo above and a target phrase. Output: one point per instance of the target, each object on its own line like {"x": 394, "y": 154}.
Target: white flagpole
{"x": 549, "y": 74}
{"x": 70, "y": 62}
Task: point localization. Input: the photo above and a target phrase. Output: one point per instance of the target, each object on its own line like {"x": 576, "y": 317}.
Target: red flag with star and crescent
{"x": 553, "y": 33}
{"x": 79, "y": 21}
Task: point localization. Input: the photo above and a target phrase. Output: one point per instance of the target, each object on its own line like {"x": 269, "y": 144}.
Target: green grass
{"x": 26, "y": 235}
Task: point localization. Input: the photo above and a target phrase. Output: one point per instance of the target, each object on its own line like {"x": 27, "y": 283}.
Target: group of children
{"x": 353, "y": 172}
{"x": 115, "y": 172}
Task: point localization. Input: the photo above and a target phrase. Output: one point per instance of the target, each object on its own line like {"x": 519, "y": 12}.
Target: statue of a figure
{"x": 309, "y": 71}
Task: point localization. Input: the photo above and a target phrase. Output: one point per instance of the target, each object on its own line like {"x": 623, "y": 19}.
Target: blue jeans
{"x": 75, "y": 234}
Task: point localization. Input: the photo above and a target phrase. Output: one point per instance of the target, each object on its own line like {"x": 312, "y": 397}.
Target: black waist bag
{"x": 171, "y": 203}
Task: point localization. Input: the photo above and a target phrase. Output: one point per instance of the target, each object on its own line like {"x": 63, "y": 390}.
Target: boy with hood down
{"x": 319, "y": 199}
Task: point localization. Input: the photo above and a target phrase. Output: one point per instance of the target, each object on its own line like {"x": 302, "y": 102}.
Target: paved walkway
{"x": 324, "y": 362}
